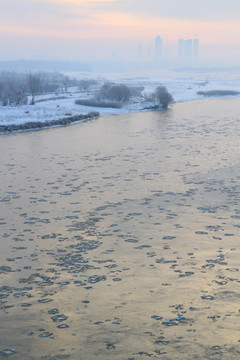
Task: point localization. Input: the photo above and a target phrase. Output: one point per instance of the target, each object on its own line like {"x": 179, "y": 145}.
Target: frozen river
{"x": 120, "y": 237}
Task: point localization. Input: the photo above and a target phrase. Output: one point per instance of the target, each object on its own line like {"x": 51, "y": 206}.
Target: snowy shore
{"x": 52, "y": 107}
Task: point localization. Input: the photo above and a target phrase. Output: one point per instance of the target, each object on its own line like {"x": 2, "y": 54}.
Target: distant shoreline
{"x": 70, "y": 120}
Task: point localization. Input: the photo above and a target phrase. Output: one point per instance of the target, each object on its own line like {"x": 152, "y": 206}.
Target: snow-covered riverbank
{"x": 182, "y": 85}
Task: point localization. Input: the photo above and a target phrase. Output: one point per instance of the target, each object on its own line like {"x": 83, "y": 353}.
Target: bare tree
{"x": 162, "y": 96}
{"x": 12, "y": 89}
{"x": 86, "y": 84}
{"x": 120, "y": 92}
{"x": 34, "y": 86}
{"x": 104, "y": 91}
{"x": 114, "y": 92}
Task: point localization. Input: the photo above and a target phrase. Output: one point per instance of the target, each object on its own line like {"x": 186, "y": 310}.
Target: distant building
{"x": 180, "y": 49}
{"x": 195, "y": 50}
{"x": 149, "y": 52}
{"x": 158, "y": 48}
{"x": 140, "y": 52}
{"x": 188, "y": 50}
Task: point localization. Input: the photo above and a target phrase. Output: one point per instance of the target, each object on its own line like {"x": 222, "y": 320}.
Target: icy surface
{"x": 120, "y": 237}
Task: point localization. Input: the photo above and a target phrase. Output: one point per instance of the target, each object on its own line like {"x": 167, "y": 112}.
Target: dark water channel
{"x": 120, "y": 237}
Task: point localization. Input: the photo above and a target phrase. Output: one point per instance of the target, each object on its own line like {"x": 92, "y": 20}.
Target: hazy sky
{"x": 78, "y": 29}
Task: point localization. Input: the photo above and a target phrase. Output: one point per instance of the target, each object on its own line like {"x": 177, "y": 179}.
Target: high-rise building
{"x": 188, "y": 50}
{"x": 195, "y": 50}
{"x": 149, "y": 52}
{"x": 158, "y": 48}
{"x": 140, "y": 52}
{"x": 180, "y": 49}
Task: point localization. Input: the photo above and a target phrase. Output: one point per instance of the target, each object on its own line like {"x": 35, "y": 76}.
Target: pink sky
{"x": 37, "y": 27}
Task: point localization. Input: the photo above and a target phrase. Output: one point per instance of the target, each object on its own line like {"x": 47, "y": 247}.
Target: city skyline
{"x": 186, "y": 52}
{"x": 82, "y": 29}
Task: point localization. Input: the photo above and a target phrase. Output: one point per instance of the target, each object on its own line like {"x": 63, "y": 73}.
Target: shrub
{"x": 85, "y": 84}
{"x": 34, "y": 125}
{"x": 101, "y": 104}
{"x": 218, "y": 93}
{"x": 114, "y": 92}
{"x": 104, "y": 92}
{"x": 162, "y": 97}
{"x": 136, "y": 90}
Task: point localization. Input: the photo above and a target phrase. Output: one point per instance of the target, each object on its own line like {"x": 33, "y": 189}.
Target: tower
{"x": 195, "y": 50}
{"x": 140, "y": 52}
{"x": 158, "y": 48}
{"x": 180, "y": 49}
{"x": 188, "y": 50}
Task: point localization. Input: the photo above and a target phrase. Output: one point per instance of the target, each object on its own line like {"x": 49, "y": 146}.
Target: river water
{"x": 120, "y": 237}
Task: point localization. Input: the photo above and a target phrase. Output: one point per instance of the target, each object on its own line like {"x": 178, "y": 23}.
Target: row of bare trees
{"x": 19, "y": 89}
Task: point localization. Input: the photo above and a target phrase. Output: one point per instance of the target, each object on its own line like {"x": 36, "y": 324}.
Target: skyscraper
{"x": 149, "y": 52}
{"x": 195, "y": 50}
{"x": 158, "y": 48}
{"x": 180, "y": 49}
{"x": 188, "y": 50}
{"x": 140, "y": 52}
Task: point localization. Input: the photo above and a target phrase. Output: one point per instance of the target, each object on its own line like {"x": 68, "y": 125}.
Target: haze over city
{"x": 118, "y": 30}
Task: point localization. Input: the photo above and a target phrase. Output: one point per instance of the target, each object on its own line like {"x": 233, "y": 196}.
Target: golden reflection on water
{"x": 120, "y": 237}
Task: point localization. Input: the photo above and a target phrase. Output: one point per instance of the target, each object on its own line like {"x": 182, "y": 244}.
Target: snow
{"x": 182, "y": 85}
